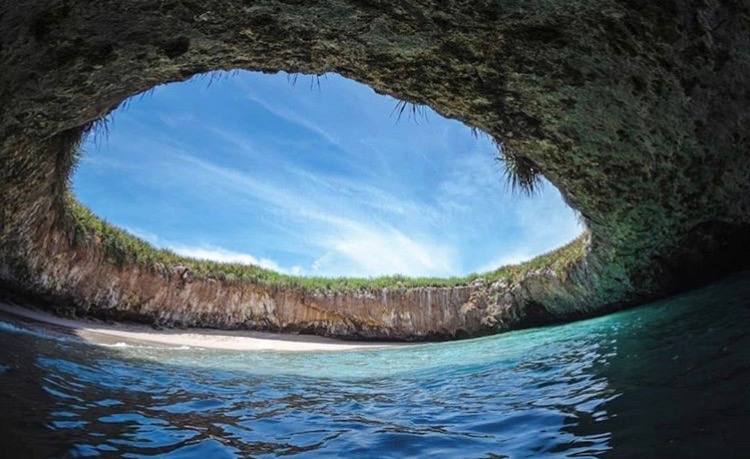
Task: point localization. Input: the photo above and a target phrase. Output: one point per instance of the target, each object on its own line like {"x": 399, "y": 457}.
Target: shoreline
{"x": 99, "y": 333}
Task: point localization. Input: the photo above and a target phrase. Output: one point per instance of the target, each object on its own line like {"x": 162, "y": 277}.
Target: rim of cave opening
{"x": 207, "y": 138}
{"x": 596, "y": 97}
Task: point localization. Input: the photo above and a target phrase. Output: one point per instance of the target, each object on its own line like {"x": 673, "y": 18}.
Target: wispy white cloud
{"x": 291, "y": 115}
{"x": 505, "y": 260}
{"x": 385, "y": 251}
{"x": 350, "y": 243}
{"x": 212, "y": 252}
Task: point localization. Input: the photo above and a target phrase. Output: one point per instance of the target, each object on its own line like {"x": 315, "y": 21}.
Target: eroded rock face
{"x": 638, "y": 111}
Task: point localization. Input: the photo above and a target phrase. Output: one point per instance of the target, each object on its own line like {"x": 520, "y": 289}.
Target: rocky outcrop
{"x": 638, "y": 111}
{"x": 81, "y": 280}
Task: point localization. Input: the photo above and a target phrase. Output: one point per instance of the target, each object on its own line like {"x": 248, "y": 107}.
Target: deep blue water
{"x": 670, "y": 379}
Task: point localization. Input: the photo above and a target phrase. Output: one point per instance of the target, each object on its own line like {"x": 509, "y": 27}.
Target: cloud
{"x": 352, "y": 241}
{"x": 373, "y": 252}
{"x": 348, "y": 248}
{"x": 291, "y": 115}
{"x": 351, "y": 244}
{"x": 213, "y": 253}
{"x": 505, "y": 260}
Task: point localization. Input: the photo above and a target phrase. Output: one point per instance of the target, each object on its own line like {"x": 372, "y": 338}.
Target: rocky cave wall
{"x": 637, "y": 110}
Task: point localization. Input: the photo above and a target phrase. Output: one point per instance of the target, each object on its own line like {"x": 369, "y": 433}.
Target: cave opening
{"x": 636, "y": 111}
{"x": 315, "y": 176}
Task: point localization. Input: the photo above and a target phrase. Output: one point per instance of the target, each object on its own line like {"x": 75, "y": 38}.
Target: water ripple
{"x": 666, "y": 380}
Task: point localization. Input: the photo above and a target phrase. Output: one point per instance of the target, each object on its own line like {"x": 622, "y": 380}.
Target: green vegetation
{"x": 521, "y": 174}
{"x": 122, "y": 248}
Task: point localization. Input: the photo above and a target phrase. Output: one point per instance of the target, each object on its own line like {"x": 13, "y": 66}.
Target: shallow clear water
{"x": 671, "y": 379}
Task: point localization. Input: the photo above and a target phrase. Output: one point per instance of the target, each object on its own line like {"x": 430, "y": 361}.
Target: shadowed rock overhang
{"x": 636, "y": 110}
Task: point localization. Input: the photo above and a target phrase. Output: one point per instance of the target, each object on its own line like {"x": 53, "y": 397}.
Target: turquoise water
{"x": 671, "y": 379}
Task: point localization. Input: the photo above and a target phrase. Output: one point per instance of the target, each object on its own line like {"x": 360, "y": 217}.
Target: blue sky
{"x": 312, "y": 180}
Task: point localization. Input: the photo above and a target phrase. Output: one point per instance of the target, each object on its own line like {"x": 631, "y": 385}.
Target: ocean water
{"x": 669, "y": 379}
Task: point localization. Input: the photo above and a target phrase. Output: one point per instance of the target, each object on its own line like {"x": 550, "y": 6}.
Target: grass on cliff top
{"x": 122, "y": 249}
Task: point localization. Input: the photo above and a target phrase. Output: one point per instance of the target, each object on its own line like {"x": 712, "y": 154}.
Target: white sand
{"x": 100, "y": 333}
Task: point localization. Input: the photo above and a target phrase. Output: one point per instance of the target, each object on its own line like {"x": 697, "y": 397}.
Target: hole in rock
{"x": 312, "y": 176}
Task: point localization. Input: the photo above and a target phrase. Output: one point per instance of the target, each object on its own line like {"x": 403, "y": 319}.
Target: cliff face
{"x": 638, "y": 111}
{"x": 81, "y": 279}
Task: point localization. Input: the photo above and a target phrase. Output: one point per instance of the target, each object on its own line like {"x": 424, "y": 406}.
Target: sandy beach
{"x": 97, "y": 332}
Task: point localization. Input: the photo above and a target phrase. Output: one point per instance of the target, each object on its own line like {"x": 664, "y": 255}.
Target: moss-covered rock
{"x": 638, "y": 111}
